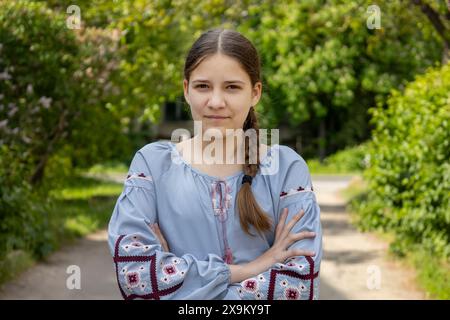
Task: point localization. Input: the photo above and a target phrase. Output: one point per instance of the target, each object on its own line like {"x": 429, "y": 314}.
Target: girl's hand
{"x": 283, "y": 239}
{"x": 157, "y": 231}
{"x": 277, "y": 253}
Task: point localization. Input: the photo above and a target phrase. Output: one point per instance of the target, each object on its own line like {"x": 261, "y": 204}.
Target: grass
{"x": 85, "y": 188}
{"x": 15, "y": 263}
{"x": 82, "y": 206}
{"x": 317, "y": 168}
{"x": 87, "y": 204}
{"x": 350, "y": 161}
{"x": 432, "y": 274}
{"x": 108, "y": 168}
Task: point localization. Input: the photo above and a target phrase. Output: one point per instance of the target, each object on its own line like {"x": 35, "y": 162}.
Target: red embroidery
{"x": 311, "y": 276}
{"x": 139, "y": 175}
{"x": 293, "y": 191}
{"x": 292, "y": 294}
{"x": 132, "y": 278}
{"x": 220, "y": 207}
{"x": 250, "y": 285}
{"x": 169, "y": 270}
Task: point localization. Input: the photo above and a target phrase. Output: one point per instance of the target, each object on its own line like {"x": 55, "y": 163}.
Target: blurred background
{"x": 360, "y": 89}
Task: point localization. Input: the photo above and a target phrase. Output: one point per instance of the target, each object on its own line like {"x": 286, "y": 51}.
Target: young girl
{"x": 184, "y": 229}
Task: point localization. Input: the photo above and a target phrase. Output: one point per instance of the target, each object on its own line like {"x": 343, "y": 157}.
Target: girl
{"x": 186, "y": 230}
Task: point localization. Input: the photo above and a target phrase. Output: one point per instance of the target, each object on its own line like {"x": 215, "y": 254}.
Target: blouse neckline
{"x": 230, "y": 177}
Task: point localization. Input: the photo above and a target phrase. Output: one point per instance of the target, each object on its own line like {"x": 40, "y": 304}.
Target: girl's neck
{"x": 229, "y": 153}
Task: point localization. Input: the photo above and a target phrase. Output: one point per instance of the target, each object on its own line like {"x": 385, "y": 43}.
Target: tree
{"x": 53, "y": 83}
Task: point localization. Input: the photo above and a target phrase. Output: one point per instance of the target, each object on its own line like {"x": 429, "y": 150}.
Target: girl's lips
{"x": 216, "y": 117}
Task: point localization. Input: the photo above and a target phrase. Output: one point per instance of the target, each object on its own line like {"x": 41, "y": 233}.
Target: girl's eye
{"x": 203, "y": 86}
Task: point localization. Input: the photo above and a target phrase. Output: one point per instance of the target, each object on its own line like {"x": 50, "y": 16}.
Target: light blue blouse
{"x": 198, "y": 215}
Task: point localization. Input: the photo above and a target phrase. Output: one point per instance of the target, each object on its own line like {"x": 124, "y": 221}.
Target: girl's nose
{"x": 217, "y": 100}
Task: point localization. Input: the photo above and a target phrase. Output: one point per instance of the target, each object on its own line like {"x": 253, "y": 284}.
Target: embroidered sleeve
{"x": 298, "y": 277}
{"x": 143, "y": 269}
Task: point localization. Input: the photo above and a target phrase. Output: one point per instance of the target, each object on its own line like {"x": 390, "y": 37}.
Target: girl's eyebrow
{"x": 228, "y": 81}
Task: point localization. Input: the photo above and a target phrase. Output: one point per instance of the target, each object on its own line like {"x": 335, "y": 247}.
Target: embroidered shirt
{"x": 198, "y": 216}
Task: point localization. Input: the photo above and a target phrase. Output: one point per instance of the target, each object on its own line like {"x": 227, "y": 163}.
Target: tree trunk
{"x": 58, "y": 132}
{"x": 435, "y": 20}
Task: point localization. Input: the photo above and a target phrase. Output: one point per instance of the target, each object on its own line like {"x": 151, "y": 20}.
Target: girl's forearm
{"x": 241, "y": 272}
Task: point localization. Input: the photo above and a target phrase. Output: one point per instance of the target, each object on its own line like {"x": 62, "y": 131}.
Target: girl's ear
{"x": 186, "y": 90}
{"x": 256, "y": 95}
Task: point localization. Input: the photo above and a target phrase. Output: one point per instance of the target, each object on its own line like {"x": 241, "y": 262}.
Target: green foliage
{"x": 23, "y": 212}
{"x": 325, "y": 67}
{"x": 53, "y": 84}
{"x": 13, "y": 264}
{"x": 348, "y": 161}
{"x": 53, "y": 118}
{"x": 321, "y": 64}
{"x": 409, "y": 171}
{"x": 433, "y": 273}
{"x": 33, "y": 225}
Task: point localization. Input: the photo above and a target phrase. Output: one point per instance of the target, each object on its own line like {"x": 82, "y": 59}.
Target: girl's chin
{"x": 215, "y": 126}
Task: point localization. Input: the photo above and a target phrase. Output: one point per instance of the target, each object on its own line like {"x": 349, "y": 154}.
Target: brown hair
{"x": 235, "y": 45}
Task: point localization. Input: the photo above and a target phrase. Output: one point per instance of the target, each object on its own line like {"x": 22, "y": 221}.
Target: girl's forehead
{"x": 219, "y": 67}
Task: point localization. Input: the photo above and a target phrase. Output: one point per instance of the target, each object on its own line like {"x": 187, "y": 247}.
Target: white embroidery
{"x": 284, "y": 283}
{"x": 302, "y": 287}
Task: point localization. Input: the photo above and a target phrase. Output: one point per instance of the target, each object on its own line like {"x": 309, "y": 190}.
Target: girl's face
{"x": 219, "y": 86}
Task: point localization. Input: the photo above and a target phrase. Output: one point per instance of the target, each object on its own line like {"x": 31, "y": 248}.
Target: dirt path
{"x": 351, "y": 260}
{"x": 47, "y": 280}
{"x": 355, "y": 265}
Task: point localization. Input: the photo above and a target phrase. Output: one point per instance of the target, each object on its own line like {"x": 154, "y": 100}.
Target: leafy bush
{"x": 55, "y": 84}
{"x": 409, "y": 171}
{"x": 23, "y": 212}
{"x": 33, "y": 224}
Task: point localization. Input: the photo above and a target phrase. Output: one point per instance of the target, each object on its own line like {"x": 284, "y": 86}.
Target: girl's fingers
{"x": 281, "y": 223}
{"x": 300, "y": 252}
{"x": 161, "y": 237}
{"x": 156, "y": 231}
{"x": 291, "y": 224}
{"x": 301, "y": 235}
{"x": 155, "y": 228}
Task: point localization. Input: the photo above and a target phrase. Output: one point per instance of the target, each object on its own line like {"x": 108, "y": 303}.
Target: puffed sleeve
{"x": 143, "y": 269}
{"x": 298, "y": 277}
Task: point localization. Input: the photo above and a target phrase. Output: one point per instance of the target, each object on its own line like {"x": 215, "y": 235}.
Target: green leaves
{"x": 409, "y": 169}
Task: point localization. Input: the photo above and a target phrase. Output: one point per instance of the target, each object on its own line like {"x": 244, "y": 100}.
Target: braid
{"x": 249, "y": 210}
